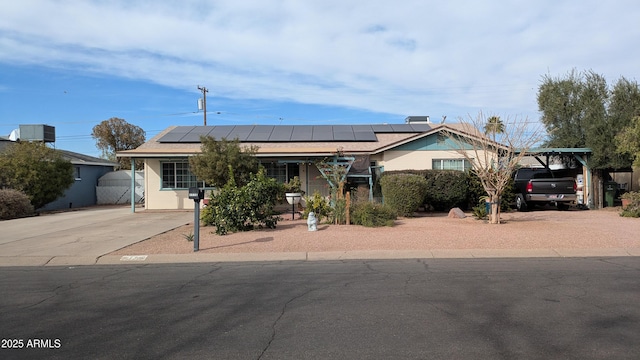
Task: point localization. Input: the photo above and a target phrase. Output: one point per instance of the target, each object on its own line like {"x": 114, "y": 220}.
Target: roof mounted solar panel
{"x": 260, "y": 133}
{"x": 322, "y": 133}
{"x": 240, "y": 132}
{"x": 281, "y": 133}
{"x": 382, "y": 128}
{"x": 176, "y": 134}
{"x": 221, "y": 131}
{"x": 194, "y": 135}
{"x": 402, "y": 128}
{"x": 365, "y": 136}
{"x": 302, "y": 133}
{"x": 421, "y": 127}
{"x": 343, "y": 133}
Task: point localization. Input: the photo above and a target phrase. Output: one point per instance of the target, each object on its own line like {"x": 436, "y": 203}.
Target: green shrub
{"x": 404, "y": 192}
{"x": 476, "y": 192}
{"x": 480, "y": 211}
{"x": 446, "y": 189}
{"x": 243, "y": 208}
{"x": 372, "y": 214}
{"x": 14, "y": 204}
{"x": 319, "y": 205}
{"x": 633, "y": 209}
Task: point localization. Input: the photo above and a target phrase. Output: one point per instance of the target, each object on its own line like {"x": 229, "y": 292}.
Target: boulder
{"x": 456, "y": 213}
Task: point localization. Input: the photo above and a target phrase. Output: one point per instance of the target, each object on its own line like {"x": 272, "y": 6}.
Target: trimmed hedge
{"x": 14, "y": 204}
{"x": 446, "y": 189}
{"x": 403, "y": 192}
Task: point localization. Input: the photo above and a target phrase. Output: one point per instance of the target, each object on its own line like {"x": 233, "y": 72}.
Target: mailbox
{"x": 196, "y": 194}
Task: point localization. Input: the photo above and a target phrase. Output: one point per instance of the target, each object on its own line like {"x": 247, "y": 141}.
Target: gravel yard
{"x": 540, "y": 229}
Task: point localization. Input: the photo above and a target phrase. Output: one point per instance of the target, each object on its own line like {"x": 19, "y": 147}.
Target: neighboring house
{"x": 4, "y": 142}
{"x": 293, "y": 150}
{"x": 87, "y": 171}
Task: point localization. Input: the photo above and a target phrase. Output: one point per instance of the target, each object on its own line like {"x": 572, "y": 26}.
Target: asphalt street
{"x": 544, "y": 308}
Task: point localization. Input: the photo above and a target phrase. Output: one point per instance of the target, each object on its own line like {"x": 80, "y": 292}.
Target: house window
{"x": 176, "y": 175}
{"x": 282, "y": 172}
{"x": 276, "y": 171}
{"x": 450, "y": 164}
{"x": 77, "y": 173}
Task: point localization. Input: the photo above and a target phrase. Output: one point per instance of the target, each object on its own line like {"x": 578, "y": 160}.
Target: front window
{"x": 450, "y": 164}
{"x": 176, "y": 175}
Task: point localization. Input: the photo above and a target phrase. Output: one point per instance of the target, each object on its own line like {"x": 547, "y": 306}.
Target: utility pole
{"x": 204, "y": 102}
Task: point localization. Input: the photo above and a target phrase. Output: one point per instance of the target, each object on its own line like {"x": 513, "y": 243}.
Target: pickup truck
{"x": 539, "y": 186}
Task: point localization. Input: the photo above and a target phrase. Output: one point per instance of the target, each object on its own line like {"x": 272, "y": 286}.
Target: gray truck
{"x": 541, "y": 186}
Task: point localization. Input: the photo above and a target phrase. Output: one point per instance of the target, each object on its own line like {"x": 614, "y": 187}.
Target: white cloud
{"x": 403, "y": 57}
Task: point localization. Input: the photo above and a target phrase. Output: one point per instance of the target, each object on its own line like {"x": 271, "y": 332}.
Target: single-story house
{"x": 293, "y": 150}
{"x": 87, "y": 171}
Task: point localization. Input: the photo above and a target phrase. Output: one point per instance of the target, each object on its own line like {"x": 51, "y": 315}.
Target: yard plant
{"x": 243, "y": 208}
{"x": 404, "y": 192}
{"x": 14, "y": 204}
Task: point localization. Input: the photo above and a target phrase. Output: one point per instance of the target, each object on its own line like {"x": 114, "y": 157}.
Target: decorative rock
{"x": 456, "y": 213}
{"x": 312, "y": 222}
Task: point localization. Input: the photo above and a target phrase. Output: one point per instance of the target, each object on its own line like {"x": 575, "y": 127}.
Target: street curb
{"x": 14, "y": 261}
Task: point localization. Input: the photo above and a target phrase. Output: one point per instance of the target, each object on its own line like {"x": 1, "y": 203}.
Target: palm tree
{"x": 494, "y": 126}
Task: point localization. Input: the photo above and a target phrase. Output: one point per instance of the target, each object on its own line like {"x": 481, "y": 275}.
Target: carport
{"x": 573, "y": 156}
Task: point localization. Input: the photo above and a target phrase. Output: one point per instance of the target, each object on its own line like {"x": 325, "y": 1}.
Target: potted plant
{"x": 630, "y": 197}
{"x": 292, "y": 191}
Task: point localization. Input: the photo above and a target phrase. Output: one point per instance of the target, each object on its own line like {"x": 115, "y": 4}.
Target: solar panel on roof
{"x": 176, "y": 134}
{"x": 302, "y": 133}
{"x": 322, "y": 133}
{"x": 365, "y": 136}
{"x": 171, "y": 137}
{"x": 221, "y": 131}
{"x": 194, "y": 135}
{"x": 260, "y": 133}
{"x": 343, "y": 133}
{"x": 421, "y": 127}
{"x": 240, "y": 132}
{"x": 402, "y": 128}
{"x": 382, "y": 128}
{"x": 281, "y": 133}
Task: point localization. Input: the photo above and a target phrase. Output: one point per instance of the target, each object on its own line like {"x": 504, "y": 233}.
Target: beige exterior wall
{"x": 158, "y": 199}
{"x": 414, "y": 160}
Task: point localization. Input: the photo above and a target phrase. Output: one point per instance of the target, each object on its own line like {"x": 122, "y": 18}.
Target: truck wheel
{"x": 521, "y": 205}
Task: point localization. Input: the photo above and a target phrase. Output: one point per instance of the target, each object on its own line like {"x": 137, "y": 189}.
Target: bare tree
{"x": 494, "y": 155}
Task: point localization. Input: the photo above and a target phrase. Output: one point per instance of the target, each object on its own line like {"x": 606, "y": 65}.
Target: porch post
{"x": 133, "y": 185}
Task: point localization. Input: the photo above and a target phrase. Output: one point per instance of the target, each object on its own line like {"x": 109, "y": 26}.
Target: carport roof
{"x": 558, "y": 151}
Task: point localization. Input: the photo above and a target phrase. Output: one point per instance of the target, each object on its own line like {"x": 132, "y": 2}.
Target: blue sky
{"x": 72, "y": 64}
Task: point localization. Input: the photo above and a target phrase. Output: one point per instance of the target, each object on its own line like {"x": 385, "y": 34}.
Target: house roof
{"x": 81, "y": 159}
{"x": 284, "y": 140}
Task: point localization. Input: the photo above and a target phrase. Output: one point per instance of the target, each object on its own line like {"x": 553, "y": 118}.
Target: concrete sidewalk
{"x": 80, "y": 237}
{"x": 364, "y": 255}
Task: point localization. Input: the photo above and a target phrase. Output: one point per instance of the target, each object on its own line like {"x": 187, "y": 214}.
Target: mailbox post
{"x": 196, "y": 195}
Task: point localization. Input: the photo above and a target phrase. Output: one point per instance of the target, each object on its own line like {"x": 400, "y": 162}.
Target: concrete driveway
{"x": 81, "y": 237}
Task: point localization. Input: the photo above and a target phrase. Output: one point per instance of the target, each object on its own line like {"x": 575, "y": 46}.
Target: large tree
{"x": 494, "y": 149}
{"x": 628, "y": 140}
{"x": 37, "y": 170}
{"x": 115, "y": 135}
{"x": 581, "y": 110}
{"x": 217, "y": 156}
